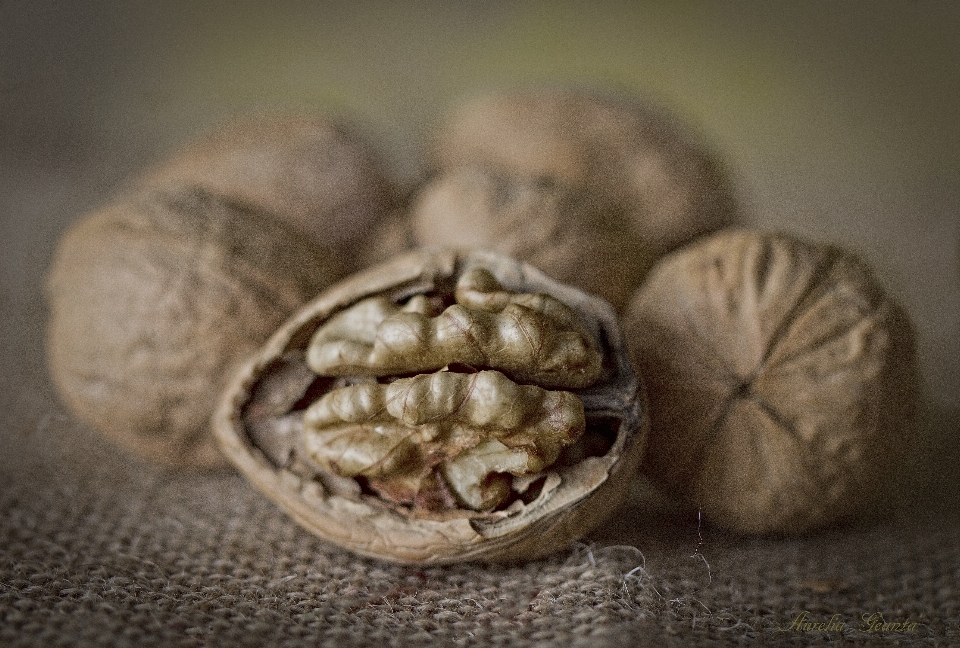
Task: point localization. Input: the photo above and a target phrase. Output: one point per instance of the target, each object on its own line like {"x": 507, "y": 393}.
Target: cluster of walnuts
{"x": 780, "y": 378}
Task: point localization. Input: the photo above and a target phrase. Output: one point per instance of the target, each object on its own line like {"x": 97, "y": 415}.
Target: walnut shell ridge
{"x": 573, "y": 498}
{"x": 782, "y": 380}
{"x": 155, "y": 298}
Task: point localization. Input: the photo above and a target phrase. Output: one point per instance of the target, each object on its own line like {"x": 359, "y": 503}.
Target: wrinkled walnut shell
{"x": 155, "y": 299}
{"x": 320, "y": 176}
{"x": 669, "y": 186}
{"x": 572, "y": 497}
{"x": 782, "y": 380}
{"x": 571, "y": 234}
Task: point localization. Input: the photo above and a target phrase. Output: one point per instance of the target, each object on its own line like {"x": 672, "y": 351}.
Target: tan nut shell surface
{"x": 154, "y": 300}
{"x": 319, "y": 175}
{"x": 781, "y": 380}
{"x": 669, "y": 185}
{"x": 573, "y": 236}
{"x": 574, "y": 500}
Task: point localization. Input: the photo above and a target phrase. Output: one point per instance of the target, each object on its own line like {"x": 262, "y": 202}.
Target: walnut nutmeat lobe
{"x": 447, "y": 430}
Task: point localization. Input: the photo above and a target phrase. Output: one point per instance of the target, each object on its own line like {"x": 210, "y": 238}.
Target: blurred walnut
{"x": 444, "y": 406}
{"x": 570, "y": 234}
{"x": 392, "y": 236}
{"x": 781, "y": 377}
{"x": 666, "y": 183}
{"x": 318, "y": 175}
{"x": 153, "y": 300}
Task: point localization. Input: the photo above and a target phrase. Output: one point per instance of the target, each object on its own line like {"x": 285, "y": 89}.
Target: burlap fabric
{"x": 98, "y": 549}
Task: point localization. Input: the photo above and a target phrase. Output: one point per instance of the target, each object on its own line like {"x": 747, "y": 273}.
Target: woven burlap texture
{"x": 99, "y": 549}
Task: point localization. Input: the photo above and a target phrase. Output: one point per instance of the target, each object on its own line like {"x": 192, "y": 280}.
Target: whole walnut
{"x": 782, "y": 380}
{"x": 668, "y": 185}
{"x": 154, "y": 298}
{"x": 319, "y": 175}
{"x": 572, "y": 235}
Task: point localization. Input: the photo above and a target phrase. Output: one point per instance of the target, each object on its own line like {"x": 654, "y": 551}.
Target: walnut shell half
{"x": 260, "y": 421}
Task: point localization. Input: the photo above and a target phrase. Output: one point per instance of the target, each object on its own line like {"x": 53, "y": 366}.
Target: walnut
{"x": 319, "y": 175}
{"x": 153, "y": 301}
{"x": 669, "y": 187}
{"x": 571, "y": 234}
{"x": 782, "y": 380}
{"x": 444, "y": 406}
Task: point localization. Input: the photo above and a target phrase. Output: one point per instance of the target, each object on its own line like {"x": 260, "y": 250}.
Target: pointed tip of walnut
{"x": 570, "y": 499}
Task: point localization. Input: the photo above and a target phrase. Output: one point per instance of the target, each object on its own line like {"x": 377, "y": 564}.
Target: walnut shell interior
{"x": 258, "y": 424}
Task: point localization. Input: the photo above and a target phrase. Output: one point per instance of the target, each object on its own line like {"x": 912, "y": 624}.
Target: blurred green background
{"x": 839, "y": 120}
